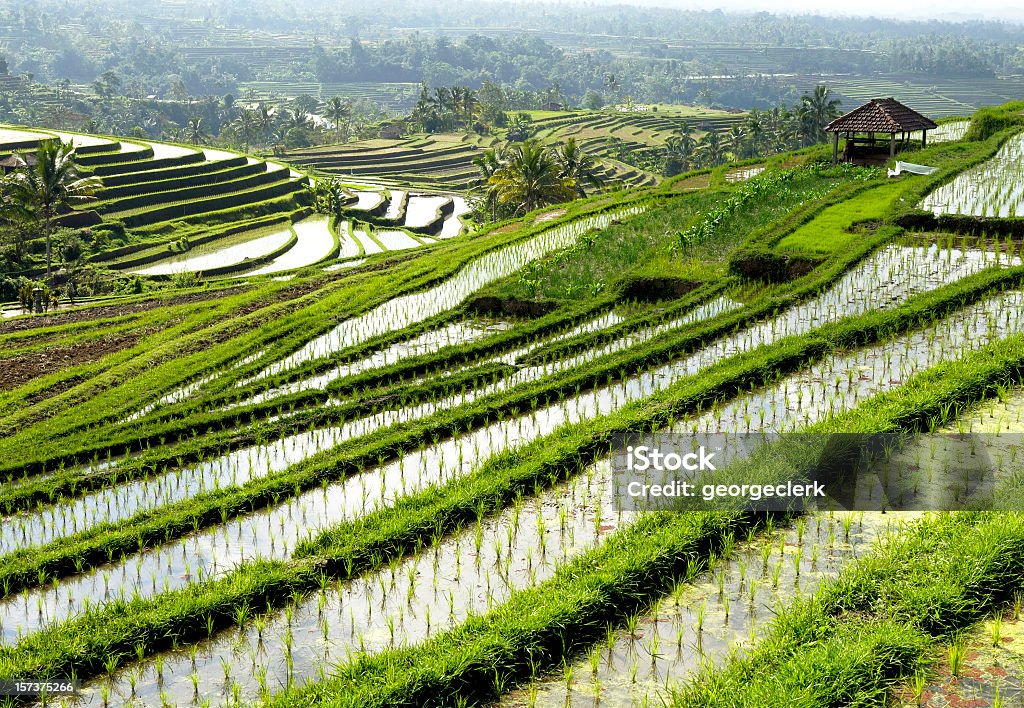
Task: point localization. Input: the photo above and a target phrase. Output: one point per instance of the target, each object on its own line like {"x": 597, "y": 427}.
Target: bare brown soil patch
{"x": 695, "y": 182}
{"x": 22, "y": 369}
{"x": 549, "y": 215}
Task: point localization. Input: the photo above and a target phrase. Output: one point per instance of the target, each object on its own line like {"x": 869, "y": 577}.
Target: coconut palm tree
{"x": 755, "y": 128}
{"x": 489, "y": 162}
{"x": 578, "y": 166}
{"x": 52, "y": 184}
{"x": 710, "y": 150}
{"x": 338, "y": 111}
{"x": 195, "y": 131}
{"x": 297, "y": 118}
{"x": 15, "y": 215}
{"x": 470, "y": 106}
{"x": 245, "y": 126}
{"x": 265, "y": 121}
{"x": 818, "y": 109}
{"x": 679, "y": 149}
{"x": 457, "y": 95}
{"x": 529, "y": 178}
{"x": 736, "y": 142}
{"x": 442, "y": 102}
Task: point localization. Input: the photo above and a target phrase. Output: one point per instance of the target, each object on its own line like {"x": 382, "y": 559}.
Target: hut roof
{"x": 881, "y": 115}
{"x": 15, "y": 161}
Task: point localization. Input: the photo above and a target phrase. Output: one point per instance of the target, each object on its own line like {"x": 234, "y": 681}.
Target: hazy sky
{"x": 937, "y": 9}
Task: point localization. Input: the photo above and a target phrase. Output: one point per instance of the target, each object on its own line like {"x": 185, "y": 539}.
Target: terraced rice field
{"x": 994, "y": 188}
{"x": 444, "y": 162}
{"x": 362, "y": 485}
{"x": 936, "y": 98}
{"x": 434, "y": 162}
{"x": 396, "y": 96}
{"x": 950, "y": 130}
{"x": 226, "y": 256}
{"x": 163, "y": 194}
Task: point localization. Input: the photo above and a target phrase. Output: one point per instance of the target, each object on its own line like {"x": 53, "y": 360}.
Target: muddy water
{"x": 887, "y": 365}
{"x": 991, "y": 671}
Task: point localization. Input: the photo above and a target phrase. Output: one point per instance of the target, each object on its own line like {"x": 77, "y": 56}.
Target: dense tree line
{"x": 152, "y": 48}
{"x": 761, "y": 133}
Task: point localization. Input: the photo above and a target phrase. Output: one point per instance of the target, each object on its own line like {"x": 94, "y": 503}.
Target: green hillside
{"x": 324, "y": 472}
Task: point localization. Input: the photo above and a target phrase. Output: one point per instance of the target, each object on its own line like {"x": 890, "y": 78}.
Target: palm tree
{"x": 470, "y": 105}
{"x": 442, "y": 100}
{"x": 679, "y": 150}
{"x": 710, "y": 149}
{"x": 298, "y": 118}
{"x": 788, "y": 131}
{"x": 265, "y": 121}
{"x": 488, "y": 163}
{"x": 818, "y": 109}
{"x": 15, "y": 213}
{"x": 457, "y": 95}
{"x": 755, "y": 128}
{"x": 736, "y": 141}
{"x": 530, "y": 178}
{"x": 339, "y": 111}
{"x": 245, "y": 126}
{"x": 578, "y": 166}
{"x": 195, "y": 132}
{"x": 52, "y": 184}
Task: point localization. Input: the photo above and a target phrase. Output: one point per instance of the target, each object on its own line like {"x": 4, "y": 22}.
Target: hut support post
{"x": 835, "y": 148}
{"x": 924, "y": 138}
{"x": 892, "y": 145}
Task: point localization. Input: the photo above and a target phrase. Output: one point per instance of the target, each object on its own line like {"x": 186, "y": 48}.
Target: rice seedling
{"x": 956, "y": 653}
{"x": 992, "y": 188}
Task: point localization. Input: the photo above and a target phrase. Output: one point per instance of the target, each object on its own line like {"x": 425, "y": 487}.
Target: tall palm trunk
{"x": 47, "y": 232}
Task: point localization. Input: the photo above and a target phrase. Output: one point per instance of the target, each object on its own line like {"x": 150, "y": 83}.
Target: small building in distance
{"x": 391, "y": 131}
{"x": 12, "y": 162}
{"x": 876, "y": 131}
